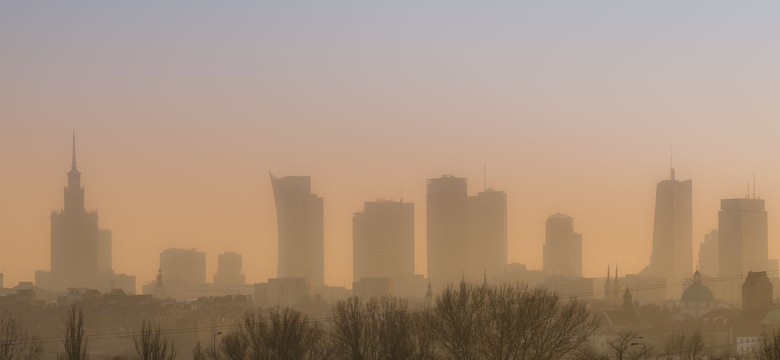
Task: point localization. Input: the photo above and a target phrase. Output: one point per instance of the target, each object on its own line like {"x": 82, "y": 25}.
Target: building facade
{"x": 562, "y": 247}
{"x": 487, "y": 234}
{"x": 299, "y": 217}
{"x": 383, "y": 241}
{"x": 447, "y": 231}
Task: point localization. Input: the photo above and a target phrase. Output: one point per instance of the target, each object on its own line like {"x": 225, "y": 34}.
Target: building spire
{"x": 73, "y": 159}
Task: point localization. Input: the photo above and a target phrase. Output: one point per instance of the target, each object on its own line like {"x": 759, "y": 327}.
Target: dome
{"x": 697, "y": 293}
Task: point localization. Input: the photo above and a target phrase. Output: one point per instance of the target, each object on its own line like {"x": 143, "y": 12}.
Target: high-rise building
{"x": 709, "y": 255}
{"x": 672, "y": 256}
{"x": 74, "y": 234}
{"x": 742, "y": 235}
{"x": 80, "y": 250}
{"x": 447, "y": 220}
{"x": 487, "y": 234}
{"x": 562, "y": 247}
{"x": 383, "y": 241}
{"x": 229, "y": 270}
{"x": 105, "y": 261}
{"x": 183, "y": 267}
{"x": 299, "y": 218}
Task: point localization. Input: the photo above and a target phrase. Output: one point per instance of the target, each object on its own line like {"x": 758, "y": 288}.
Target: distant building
{"x": 487, "y": 234}
{"x": 373, "y": 287}
{"x": 2, "y": 284}
{"x": 672, "y": 233}
{"x": 229, "y": 270}
{"x": 709, "y": 254}
{"x": 447, "y": 218}
{"x": 742, "y": 241}
{"x": 562, "y": 247}
{"x": 105, "y": 260}
{"x": 286, "y": 292}
{"x": 383, "y": 241}
{"x": 183, "y": 267}
{"x": 80, "y": 251}
{"x": 697, "y": 299}
{"x": 299, "y": 217}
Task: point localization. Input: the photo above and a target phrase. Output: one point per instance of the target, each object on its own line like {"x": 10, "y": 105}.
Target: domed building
{"x": 697, "y": 299}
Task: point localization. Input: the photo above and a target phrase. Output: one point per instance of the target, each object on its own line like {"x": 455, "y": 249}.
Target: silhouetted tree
{"x": 510, "y": 322}
{"x": 681, "y": 347}
{"x": 75, "y": 342}
{"x": 769, "y": 347}
{"x": 15, "y": 343}
{"x": 373, "y": 330}
{"x": 150, "y": 345}
{"x": 235, "y": 345}
{"x": 629, "y": 346}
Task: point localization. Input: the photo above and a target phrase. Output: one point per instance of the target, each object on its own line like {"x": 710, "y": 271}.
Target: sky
{"x": 182, "y": 108}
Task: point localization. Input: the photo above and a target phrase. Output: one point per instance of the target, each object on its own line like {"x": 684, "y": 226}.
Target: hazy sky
{"x": 182, "y": 108}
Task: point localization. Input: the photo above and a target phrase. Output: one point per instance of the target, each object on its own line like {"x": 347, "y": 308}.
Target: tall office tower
{"x": 487, "y": 234}
{"x": 708, "y": 255}
{"x": 562, "y": 247}
{"x": 672, "y": 256}
{"x": 105, "y": 261}
{"x": 299, "y": 218}
{"x": 74, "y": 238}
{"x": 383, "y": 241}
{"x": 742, "y": 235}
{"x": 229, "y": 270}
{"x": 447, "y": 218}
{"x": 183, "y": 267}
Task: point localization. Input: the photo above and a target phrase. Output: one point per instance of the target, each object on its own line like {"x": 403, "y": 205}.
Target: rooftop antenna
{"x": 671, "y": 162}
{"x": 748, "y": 190}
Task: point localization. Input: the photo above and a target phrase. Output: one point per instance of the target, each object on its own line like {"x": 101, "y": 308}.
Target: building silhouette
{"x": 383, "y": 241}
{"x": 447, "y": 230}
{"x": 487, "y": 234}
{"x": 183, "y": 267}
{"x": 229, "y": 270}
{"x": 742, "y": 242}
{"x": 672, "y": 257}
{"x": 562, "y": 247}
{"x": 709, "y": 255}
{"x": 80, "y": 250}
{"x": 299, "y": 217}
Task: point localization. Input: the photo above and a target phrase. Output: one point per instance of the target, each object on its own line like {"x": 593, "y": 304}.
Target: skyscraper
{"x": 229, "y": 270}
{"x": 562, "y": 247}
{"x": 487, "y": 234}
{"x": 709, "y": 255}
{"x": 80, "y": 251}
{"x": 447, "y": 218}
{"x": 74, "y": 234}
{"x": 672, "y": 256}
{"x": 383, "y": 240}
{"x": 742, "y": 236}
{"x": 299, "y": 218}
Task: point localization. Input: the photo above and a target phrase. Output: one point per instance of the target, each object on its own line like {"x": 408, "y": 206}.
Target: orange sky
{"x": 180, "y": 115}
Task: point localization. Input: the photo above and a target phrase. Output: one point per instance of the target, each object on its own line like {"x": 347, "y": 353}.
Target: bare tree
{"x": 373, "y": 330}
{"x": 75, "y": 341}
{"x": 235, "y": 345}
{"x": 423, "y": 340}
{"x": 681, "y": 347}
{"x": 769, "y": 347}
{"x": 510, "y": 322}
{"x": 629, "y": 346}
{"x": 15, "y": 343}
{"x": 150, "y": 345}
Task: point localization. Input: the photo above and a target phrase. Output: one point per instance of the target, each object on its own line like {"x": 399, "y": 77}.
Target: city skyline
{"x": 181, "y": 112}
{"x": 302, "y": 185}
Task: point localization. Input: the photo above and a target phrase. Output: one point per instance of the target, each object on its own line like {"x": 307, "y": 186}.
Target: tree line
{"x": 465, "y": 322}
